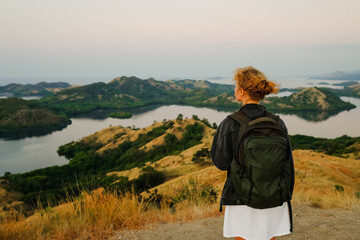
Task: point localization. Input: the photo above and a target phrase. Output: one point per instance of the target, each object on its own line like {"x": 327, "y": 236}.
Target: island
{"x": 120, "y": 114}
{"x": 352, "y": 90}
{"x": 40, "y": 89}
{"x": 19, "y": 118}
{"x": 132, "y": 92}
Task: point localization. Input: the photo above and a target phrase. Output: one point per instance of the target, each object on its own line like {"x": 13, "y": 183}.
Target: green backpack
{"x": 261, "y": 170}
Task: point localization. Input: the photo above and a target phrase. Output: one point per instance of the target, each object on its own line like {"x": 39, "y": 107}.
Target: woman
{"x": 241, "y": 221}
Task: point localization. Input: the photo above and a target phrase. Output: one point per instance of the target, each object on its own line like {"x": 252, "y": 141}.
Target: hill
{"x": 170, "y": 177}
{"x": 352, "y": 90}
{"x": 312, "y": 104}
{"x": 312, "y": 98}
{"x": 131, "y": 92}
{"x": 19, "y": 118}
{"x": 167, "y": 168}
{"x": 39, "y": 89}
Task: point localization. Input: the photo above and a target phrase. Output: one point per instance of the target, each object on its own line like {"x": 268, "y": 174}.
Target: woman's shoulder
{"x": 228, "y": 125}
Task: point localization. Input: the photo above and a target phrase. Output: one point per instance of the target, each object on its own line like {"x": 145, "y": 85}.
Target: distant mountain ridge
{"x": 339, "y": 75}
{"x": 38, "y": 89}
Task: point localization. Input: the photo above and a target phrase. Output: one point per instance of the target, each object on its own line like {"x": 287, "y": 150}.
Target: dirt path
{"x": 309, "y": 223}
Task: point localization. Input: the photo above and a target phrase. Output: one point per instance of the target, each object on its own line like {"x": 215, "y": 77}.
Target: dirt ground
{"x": 309, "y": 223}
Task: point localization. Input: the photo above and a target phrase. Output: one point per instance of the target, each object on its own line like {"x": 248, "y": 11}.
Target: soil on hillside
{"x": 309, "y": 223}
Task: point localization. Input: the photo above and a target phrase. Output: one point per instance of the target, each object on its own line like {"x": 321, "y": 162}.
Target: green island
{"x": 20, "y": 118}
{"x": 352, "y": 90}
{"x": 120, "y": 114}
{"x": 132, "y": 92}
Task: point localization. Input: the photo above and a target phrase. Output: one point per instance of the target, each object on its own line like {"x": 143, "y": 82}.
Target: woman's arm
{"x": 222, "y": 146}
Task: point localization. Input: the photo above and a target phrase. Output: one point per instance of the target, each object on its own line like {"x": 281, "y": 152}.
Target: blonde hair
{"x": 254, "y": 82}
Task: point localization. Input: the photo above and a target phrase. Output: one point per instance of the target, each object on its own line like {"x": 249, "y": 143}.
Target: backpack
{"x": 261, "y": 169}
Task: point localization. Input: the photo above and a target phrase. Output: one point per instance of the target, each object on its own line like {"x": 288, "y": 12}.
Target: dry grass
{"x": 325, "y": 181}
{"x": 99, "y": 214}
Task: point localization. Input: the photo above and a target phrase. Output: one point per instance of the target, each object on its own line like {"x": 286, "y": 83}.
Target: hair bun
{"x": 264, "y": 87}
{"x": 254, "y": 82}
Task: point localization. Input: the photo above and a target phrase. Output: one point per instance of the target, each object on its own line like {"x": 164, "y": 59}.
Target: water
{"x": 36, "y": 152}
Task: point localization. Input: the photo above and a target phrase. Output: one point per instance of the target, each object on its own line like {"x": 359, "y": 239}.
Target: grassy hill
{"x": 120, "y": 177}
{"x": 179, "y": 185}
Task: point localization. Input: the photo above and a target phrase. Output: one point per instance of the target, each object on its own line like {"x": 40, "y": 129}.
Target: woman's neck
{"x": 249, "y": 101}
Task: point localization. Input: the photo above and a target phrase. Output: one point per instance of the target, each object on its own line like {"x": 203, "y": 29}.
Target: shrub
{"x": 200, "y": 156}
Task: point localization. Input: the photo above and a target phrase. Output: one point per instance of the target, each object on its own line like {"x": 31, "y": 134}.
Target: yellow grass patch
{"x": 8, "y": 200}
{"x": 207, "y": 176}
{"x": 106, "y": 135}
{"x": 326, "y": 181}
{"x": 130, "y": 135}
{"x": 98, "y": 215}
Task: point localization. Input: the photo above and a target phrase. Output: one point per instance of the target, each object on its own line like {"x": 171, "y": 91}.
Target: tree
{"x": 179, "y": 118}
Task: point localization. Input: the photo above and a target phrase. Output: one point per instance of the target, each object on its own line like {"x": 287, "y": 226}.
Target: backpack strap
{"x": 243, "y": 120}
{"x": 240, "y": 117}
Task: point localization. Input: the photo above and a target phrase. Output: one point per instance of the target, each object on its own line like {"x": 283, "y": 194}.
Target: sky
{"x": 165, "y": 39}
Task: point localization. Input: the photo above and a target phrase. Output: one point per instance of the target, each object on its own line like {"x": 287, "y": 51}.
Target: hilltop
{"x": 310, "y": 223}
{"x": 39, "y": 89}
{"x": 312, "y": 98}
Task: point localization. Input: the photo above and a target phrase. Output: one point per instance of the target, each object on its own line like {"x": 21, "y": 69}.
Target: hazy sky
{"x": 167, "y": 38}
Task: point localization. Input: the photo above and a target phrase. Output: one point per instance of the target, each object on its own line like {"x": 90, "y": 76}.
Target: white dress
{"x": 256, "y": 224}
